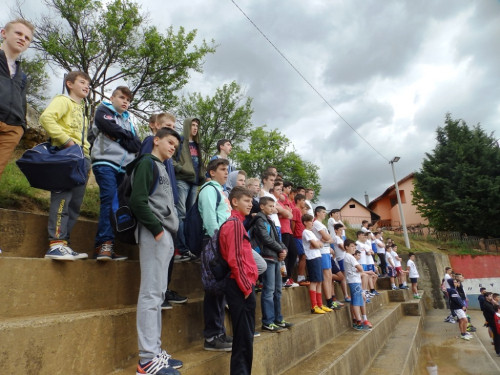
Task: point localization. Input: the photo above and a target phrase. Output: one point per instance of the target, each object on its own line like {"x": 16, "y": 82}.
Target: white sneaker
{"x": 467, "y": 338}
{"x": 471, "y": 336}
{"x": 75, "y": 254}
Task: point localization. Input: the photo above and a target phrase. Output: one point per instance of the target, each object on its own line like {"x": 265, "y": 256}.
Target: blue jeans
{"x": 108, "y": 180}
{"x": 271, "y": 294}
{"x": 187, "y": 197}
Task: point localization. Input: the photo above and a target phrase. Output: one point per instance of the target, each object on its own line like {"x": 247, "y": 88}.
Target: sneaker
{"x": 59, "y": 252}
{"x": 468, "y": 334}
{"x": 347, "y": 299}
{"x": 256, "y": 334}
{"x": 291, "y": 283}
{"x": 317, "y": 310}
{"x": 188, "y": 256}
{"x": 452, "y": 321}
{"x": 272, "y": 328}
{"x": 173, "y": 297}
{"x": 168, "y": 360}
{"x": 465, "y": 337}
{"x": 285, "y": 284}
{"x": 157, "y": 366}
{"x": 217, "y": 345}
{"x": 368, "y": 300}
{"x": 105, "y": 252}
{"x": 178, "y": 257}
{"x": 258, "y": 288}
{"x": 368, "y": 324}
{"x": 304, "y": 283}
{"x": 75, "y": 254}
{"x": 365, "y": 328}
{"x": 117, "y": 257}
{"x": 226, "y": 338}
{"x": 394, "y": 288}
{"x": 166, "y": 305}
{"x": 358, "y": 327}
{"x": 325, "y": 308}
{"x": 284, "y": 324}
{"x": 471, "y": 329}
{"x": 377, "y": 293}
{"x": 338, "y": 303}
{"x": 416, "y": 296}
{"x": 334, "y": 306}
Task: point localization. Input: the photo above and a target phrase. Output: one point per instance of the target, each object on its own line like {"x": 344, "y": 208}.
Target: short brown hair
{"x": 125, "y": 91}
{"x": 165, "y": 115}
{"x": 238, "y": 192}
{"x": 72, "y": 77}
{"x": 267, "y": 174}
{"x": 222, "y": 142}
{"x": 306, "y": 218}
{"x": 28, "y": 24}
{"x": 265, "y": 200}
{"x": 308, "y": 189}
{"x": 242, "y": 172}
{"x": 214, "y": 164}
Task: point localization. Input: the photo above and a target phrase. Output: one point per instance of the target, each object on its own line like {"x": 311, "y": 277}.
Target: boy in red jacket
{"x": 235, "y": 248}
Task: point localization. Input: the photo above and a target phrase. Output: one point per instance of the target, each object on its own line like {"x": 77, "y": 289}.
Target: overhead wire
{"x": 310, "y": 85}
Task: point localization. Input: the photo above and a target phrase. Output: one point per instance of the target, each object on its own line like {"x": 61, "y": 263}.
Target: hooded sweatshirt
{"x": 63, "y": 120}
{"x": 12, "y": 94}
{"x": 456, "y": 302}
{"x": 185, "y": 169}
{"x": 119, "y": 151}
{"x": 231, "y": 180}
{"x": 156, "y": 211}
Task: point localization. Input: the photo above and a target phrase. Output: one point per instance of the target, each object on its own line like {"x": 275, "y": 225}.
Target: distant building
{"x": 353, "y": 213}
{"x": 386, "y": 205}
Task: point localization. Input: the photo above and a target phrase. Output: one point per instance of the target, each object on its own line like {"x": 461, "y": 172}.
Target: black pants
{"x": 291, "y": 257}
{"x": 243, "y": 321}
{"x": 496, "y": 336}
{"x": 383, "y": 263}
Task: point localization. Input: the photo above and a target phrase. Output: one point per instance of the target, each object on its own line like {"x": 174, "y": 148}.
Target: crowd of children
{"x": 266, "y": 226}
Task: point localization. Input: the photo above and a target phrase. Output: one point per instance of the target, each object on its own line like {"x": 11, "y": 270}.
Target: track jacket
{"x": 264, "y": 235}
{"x": 456, "y": 302}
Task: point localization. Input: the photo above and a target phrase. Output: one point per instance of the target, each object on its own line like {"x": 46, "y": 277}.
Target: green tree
{"x": 458, "y": 186}
{"x": 226, "y": 115}
{"x": 113, "y": 42}
{"x": 273, "y": 148}
{"x": 38, "y": 82}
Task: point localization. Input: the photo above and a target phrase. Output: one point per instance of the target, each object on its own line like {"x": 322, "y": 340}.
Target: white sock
{"x": 404, "y": 283}
{"x": 300, "y": 278}
{"x": 393, "y": 285}
{"x": 364, "y": 318}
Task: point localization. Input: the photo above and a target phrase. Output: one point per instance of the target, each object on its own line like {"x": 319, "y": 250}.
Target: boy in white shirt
{"x": 381, "y": 254}
{"x": 353, "y": 272}
{"x": 399, "y": 270}
{"x": 369, "y": 277}
{"x": 339, "y": 256}
{"x": 335, "y": 219}
{"x": 391, "y": 266}
{"x": 312, "y": 248}
{"x": 322, "y": 235}
{"x": 413, "y": 273}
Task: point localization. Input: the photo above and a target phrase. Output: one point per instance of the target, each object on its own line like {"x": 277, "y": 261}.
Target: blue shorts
{"x": 314, "y": 270}
{"x": 370, "y": 267}
{"x": 300, "y": 246}
{"x": 326, "y": 261}
{"x": 335, "y": 268}
{"x": 413, "y": 280}
{"x": 341, "y": 264}
{"x": 365, "y": 267}
{"x": 356, "y": 294}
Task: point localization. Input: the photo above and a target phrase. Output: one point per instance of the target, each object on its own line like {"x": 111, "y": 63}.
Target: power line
{"x": 304, "y": 78}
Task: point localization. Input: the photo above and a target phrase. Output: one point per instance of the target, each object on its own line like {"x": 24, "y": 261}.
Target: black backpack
{"x": 123, "y": 220}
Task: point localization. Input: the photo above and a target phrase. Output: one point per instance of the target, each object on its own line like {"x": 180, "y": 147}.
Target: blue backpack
{"x": 214, "y": 268}
{"x": 193, "y": 224}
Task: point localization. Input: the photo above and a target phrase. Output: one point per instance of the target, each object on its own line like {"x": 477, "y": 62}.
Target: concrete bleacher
{"x": 79, "y": 318}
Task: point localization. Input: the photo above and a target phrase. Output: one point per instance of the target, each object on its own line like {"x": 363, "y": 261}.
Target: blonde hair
{"x": 28, "y": 24}
{"x": 251, "y": 181}
{"x": 165, "y": 115}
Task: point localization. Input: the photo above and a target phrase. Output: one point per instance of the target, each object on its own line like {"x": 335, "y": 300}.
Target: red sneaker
{"x": 367, "y": 323}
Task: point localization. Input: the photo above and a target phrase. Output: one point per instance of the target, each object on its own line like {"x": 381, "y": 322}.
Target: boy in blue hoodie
{"x": 157, "y": 122}
{"x": 458, "y": 305}
{"x": 115, "y": 145}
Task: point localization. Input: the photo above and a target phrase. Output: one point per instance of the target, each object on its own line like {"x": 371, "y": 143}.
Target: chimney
{"x": 367, "y": 200}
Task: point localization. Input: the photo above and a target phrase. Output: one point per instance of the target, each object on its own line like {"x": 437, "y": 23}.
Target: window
{"x": 394, "y": 200}
{"x": 352, "y": 206}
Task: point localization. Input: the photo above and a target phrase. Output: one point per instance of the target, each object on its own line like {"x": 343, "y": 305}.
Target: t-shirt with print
{"x": 317, "y": 227}
{"x": 331, "y": 226}
{"x": 397, "y": 263}
{"x": 311, "y": 253}
{"x": 339, "y": 253}
{"x": 380, "y": 250}
{"x": 388, "y": 258}
{"x": 413, "y": 269}
{"x": 193, "y": 149}
{"x": 351, "y": 273}
{"x": 299, "y": 227}
{"x": 274, "y": 217}
{"x": 362, "y": 247}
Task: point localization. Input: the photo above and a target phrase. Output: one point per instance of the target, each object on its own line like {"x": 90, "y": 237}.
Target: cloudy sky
{"x": 391, "y": 69}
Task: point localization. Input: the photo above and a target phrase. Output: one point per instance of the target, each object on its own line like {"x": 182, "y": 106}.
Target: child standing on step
{"x": 157, "y": 225}
{"x": 413, "y": 273}
{"x": 312, "y": 248}
{"x": 458, "y": 306}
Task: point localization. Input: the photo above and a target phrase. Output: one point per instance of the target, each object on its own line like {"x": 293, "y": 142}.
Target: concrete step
{"x": 352, "y": 351}
{"x": 309, "y": 334}
{"x": 24, "y": 234}
{"x": 399, "y": 355}
{"x": 42, "y": 286}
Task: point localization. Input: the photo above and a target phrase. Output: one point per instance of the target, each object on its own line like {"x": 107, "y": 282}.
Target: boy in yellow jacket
{"x": 64, "y": 120}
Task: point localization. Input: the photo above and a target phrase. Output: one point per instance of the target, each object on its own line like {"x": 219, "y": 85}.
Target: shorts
{"x": 335, "y": 268}
{"x": 300, "y": 246}
{"x": 356, "y": 294}
{"x": 460, "y": 314}
{"x": 370, "y": 267}
{"x": 365, "y": 267}
{"x": 413, "y": 280}
{"x": 341, "y": 264}
{"x": 399, "y": 270}
{"x": 391, "y": 272}
{"x": 326, "y": 261}
{"x": 314, "y": 270}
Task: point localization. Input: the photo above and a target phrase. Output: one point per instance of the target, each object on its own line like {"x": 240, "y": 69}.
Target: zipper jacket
{"x": 12, "y": 94}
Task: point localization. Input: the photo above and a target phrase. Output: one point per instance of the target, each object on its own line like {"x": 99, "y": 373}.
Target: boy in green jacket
{"x": 157, "y": 226}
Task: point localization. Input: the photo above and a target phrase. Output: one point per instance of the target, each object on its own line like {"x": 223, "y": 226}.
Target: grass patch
{"x": 17, "y": 194}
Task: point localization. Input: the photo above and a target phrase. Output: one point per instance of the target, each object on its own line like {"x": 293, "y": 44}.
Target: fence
{"x": 472, "y": 242}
